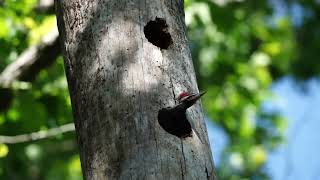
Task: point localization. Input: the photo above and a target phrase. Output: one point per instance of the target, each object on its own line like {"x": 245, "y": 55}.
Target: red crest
{"x": 182, "y": 95}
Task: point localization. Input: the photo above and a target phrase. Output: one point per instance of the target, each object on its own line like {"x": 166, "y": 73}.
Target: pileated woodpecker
{"x": 174, "y": 119}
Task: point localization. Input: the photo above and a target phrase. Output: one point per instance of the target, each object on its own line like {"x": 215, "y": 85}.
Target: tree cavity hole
{"x": 157, "y": 33}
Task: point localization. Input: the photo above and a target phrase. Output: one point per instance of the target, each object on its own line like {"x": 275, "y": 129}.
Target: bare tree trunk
{"x": 125, "y": 60}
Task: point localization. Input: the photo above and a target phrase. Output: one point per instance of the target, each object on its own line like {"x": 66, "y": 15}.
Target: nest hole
{"x": 173, "y": 124}
{"x": 157, "y": 33}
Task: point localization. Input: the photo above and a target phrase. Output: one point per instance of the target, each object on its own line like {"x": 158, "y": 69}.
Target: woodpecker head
{"x": 189, "y": 99}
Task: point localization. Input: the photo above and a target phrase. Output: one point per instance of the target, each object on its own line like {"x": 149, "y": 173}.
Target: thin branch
{"x": 32, "y": 60}
{"x": 45, "y": 6}
{"x": 37, "y": 135}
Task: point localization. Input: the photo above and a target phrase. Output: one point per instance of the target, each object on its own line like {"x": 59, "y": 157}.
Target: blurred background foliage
{"x": 239, "y": 47}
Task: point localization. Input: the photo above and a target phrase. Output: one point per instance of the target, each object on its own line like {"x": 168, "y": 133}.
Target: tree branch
{"x": 45, "y": 6}
{"x": 37, "y": 135}
{"x": 32, "y": 60}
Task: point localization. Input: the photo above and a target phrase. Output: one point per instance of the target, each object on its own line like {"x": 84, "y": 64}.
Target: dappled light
{"x": 258, "y": 62}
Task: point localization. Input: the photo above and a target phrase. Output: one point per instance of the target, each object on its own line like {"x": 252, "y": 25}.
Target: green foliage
{"x": 20, "y": 27}
{"x": 239, "y": 50}
{"x": 39, "y": 105}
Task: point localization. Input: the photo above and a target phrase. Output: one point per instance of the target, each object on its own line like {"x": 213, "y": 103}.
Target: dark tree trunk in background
{"x": 125, "y": 60}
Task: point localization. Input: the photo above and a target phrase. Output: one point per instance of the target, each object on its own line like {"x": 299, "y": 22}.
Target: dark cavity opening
{"x": 174, "y": 123}
{"x": 157, "y": 33}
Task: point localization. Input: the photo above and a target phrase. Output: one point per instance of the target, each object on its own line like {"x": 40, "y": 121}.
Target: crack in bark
{"x": 184, "y": 158}
{"x": 182, "y": 173}
{"x": 172, "y": 88}
{"x": 208, "y": 177}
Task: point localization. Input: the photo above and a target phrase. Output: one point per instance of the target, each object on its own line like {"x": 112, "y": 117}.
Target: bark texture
{"x": 118, "y": 82}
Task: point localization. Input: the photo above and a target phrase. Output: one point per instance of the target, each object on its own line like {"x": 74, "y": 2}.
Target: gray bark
{"x": 118, "y": 81}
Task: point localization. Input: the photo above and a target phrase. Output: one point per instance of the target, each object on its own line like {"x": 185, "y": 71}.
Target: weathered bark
{"x": 118, "y": 82}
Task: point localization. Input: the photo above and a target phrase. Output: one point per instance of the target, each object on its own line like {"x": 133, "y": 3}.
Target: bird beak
{"x": 197, "y": 96}
{"x": 202, "y": 93}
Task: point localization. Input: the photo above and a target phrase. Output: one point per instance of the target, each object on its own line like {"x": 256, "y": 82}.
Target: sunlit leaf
{"x": 33, "y": 151}
{"x": 236, "y": 161}
{"x": 46, "y": 26}
{"x": 4, "y": 150}
{"x": 272, "y": 48}
{"x": 74, "y": 168}
{"x": 257, "y": 156}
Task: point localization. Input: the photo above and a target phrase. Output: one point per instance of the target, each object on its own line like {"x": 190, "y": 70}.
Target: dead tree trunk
{"x": 125, "y": 60}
